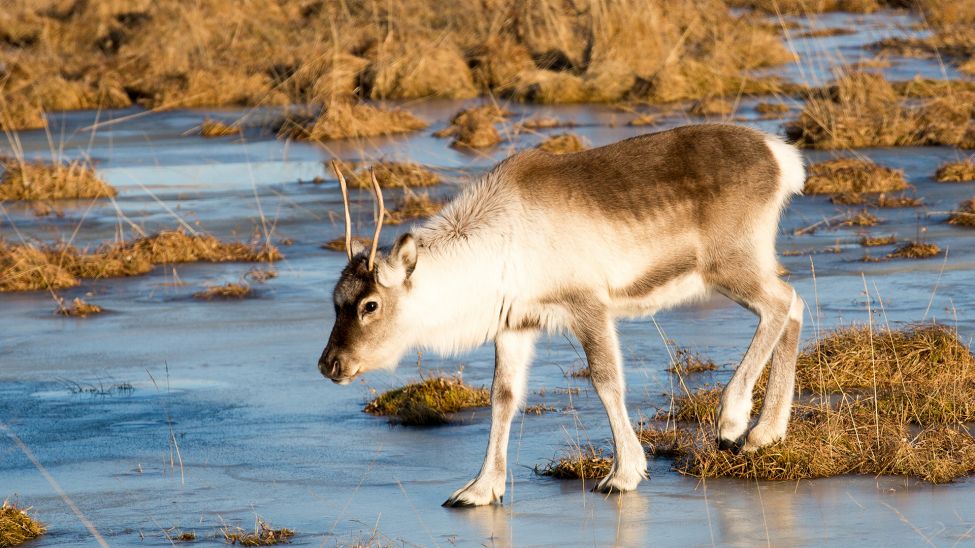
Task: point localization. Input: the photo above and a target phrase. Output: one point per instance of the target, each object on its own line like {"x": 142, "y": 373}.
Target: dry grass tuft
{"x": 861, "y": 218}
{"x": 57, "y": 181}
{"x": 771, "y": 110}
{"x": 78, "y": 308}
{"x": 915, "y": 250}
{"x": 956, "y": 172}
{"x": 539, "y": 409}
{"x": 263, "y": 535}
{"x": 428, "y": 402}
{"x": 544, "y": 122}
{"x": 24, "y": 267}
{"x": 687, "y": 362}
{"x": 348, "y": 120}
{"x": 872, "y": 401}
{"x": 643, "y": 120}
{"x": 877, "y": 241}
{"x": 184, "y": 536}
{"x": 711, "y": 106}
{"x": 216, "y": 128}
{"x": 584, "y": 463}
{"x": 338, "y": 244}
{"x": 475, "y": 127}
{"x": 964, "y": 215}
{"x": 229, "y": 290}
{"x": 17, "y": 526}
{"x": 413, "y": 206}
{"x": 900, "y": 200}
{"x": 393, "y": 175}
{"x": 864, "y": 110}
{"x": 852, "y": 175}
{"x": 564, "y": 143}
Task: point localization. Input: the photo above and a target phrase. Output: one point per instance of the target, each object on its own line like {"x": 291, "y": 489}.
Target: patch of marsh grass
{"x": 17, "y": 526}
{"x": 564, "y": 143}
{"x": 262, "y": 535}
{"x": 956, "y": 172}
{"x": 31, "y": 180}
{"x": 428, "y": 402}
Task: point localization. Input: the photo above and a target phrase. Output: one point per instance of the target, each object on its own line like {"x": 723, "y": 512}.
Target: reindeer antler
{"x": 345, "y": 201}
{"x": 379, "y": 220}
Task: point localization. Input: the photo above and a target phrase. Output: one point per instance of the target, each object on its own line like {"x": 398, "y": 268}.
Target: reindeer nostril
{"x": 336, "y": 366}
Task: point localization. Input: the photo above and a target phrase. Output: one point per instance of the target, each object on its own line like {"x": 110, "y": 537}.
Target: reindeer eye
{"x": 371, "y": 306}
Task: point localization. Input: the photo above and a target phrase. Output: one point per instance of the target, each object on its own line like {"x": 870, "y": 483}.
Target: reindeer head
{"x": 367, "y": 302}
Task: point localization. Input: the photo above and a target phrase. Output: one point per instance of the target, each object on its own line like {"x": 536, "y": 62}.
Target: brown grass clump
{"x": 711, "y": 106}
{"x": 872, "y": 401}
{"x": 562, "y": 144}
{"x": 643, "y": 120}
{"x": 956, "y": 172}
{"x": 861, "y": 218}
{"x": 413, "y": 206}
{"x": 539, "y": 409}
{"x": 687, "y": 362}
{"x": 349, "y": 120}
{"x": 78, "y": 308}
{"x": 584, "y": 463}
{"x": 543, "y": 122}
{"x": 863, "y": 109}
{"x": 338, "y": 244}
{"x": 263, "y": 535}
{"x": 394, "y": 175}
{"x": 900, "y": 200}
{"x": 428, "y": 402}
{"x": 964, "y": 215}
{"x": 877, "y": 241}
{"x": 915, "y": 250}
{"x": 803, "y": 7}
{"x": 771, "y": 110}
{"x": 57, "y": 181}
{"x": 17, "y": 526}
{"x": 216, "y": 128}
{"x": 852, "y": 175}
{"x": 229, "y": 290}
{"x": 474, "y": 127}
{"x": 24, "y": 267}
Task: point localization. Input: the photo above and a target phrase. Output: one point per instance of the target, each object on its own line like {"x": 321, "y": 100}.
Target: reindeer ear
{"x": 398, "y": 267}
{"x": 357, "y": 247}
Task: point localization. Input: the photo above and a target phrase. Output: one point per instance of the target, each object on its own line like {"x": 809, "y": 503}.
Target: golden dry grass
{"x": 111, "y": 54}
{"x": 860, "y": 218}
{"x": 915, "y": 250}
{"x": 872, "y": 401}
{"x": 229, "y": 290}
{"x": 393, "y": 175}
{"x": 79, "y": 308}
{"x": 543, "y": 122}
{"x": 338, "y": 244}
{"x": 349, "y": 120}
{"x": 643, "y": 120}
{"x": 582, "y": 463}
{"x": 262, "y": 535}
{"x": 17, "y": 526}
{"x": 852, "y": 175}
{"x": 475, "y": 127}
{"x": 877, "y": 241}
{"x": 413, "y": 206}
{"x": 687, "y": 362}
{"x": 564, "y": 143}
{"x": 711, "y": 106}
{"x": 216, "y": 128}
{"x": 964, "y": 215}
{"x": 23, "y": 180}
{"x": 428, "y": 402}
{"x": 25, "y": 267}
{"x": 539, "y": 409}
{"x": 863, "y": 109}
{"x": 772, "y": 110}
{"x": 956, "y": 172}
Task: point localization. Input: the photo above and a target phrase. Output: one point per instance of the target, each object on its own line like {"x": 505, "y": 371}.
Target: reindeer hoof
{"x": 731, "y": 445}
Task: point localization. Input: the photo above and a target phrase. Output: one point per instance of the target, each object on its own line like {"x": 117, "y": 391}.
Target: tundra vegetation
{"x": 956, "y": 172}
{"x": 262, "y": 535}
{"x": 27, "y": 267}
{"x": 873, "y": 401}
{"x": 17, "y": 526}
{"x": 563, "y": 143}
{"x": 78, "y": 308}
{"x": 33, "y": 180}
{"x": 964, "y": 215}
{"x": 391, "y": 175}
{"x": 431, "y": 401}
{"x": 229, "y": 290}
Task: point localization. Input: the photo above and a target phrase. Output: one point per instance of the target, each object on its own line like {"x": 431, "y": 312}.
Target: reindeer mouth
{"x": 344, "y": 380}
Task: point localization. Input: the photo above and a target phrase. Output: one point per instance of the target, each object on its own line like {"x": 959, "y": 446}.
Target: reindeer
{"x": 571, "y": 243}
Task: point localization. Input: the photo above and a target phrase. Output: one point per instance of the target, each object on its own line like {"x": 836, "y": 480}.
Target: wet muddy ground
{"x": 166, "y": 412}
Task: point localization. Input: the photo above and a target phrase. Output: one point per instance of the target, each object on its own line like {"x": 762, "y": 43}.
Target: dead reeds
{"x": 26, "y": 267}
{"x": 915, "y": 250}
{"x": 262, "y": 535}
{"x": 29, "y": 180}
{"x": 871, "y": 401}
{"x": 216, "y": 128}
{"x": 583, "y": 463}
{"x": 79, "y": 308}
{"x": 393, "y": 175}
{"x": 686, "y": 362}
{"x": 229, "y": 290}
{"x": 964, "y": 215}
{"x": 349, "y": 120}
{"x": 852, "y": 175}
{"x": 413, "y": 206}
{"x": 475, "y": 127}
{"x": 956, "y": 172}
{"x": 564, "y": 143}
{"x": 17, "y": 526}
{"x": 428, "y": 402}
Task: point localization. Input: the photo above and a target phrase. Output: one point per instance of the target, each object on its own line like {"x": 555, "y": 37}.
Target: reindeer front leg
{"x": 596, "y": 331}
{"x": 512, "y": 357}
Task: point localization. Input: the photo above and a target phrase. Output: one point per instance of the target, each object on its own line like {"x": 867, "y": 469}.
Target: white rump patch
{"x": 792, "y": 173}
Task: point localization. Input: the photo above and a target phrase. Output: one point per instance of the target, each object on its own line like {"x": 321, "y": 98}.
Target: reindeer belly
{"x": 636, "y": 301}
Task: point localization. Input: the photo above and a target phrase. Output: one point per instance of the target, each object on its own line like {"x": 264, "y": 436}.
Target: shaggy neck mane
{"x": 458, "y": 287}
